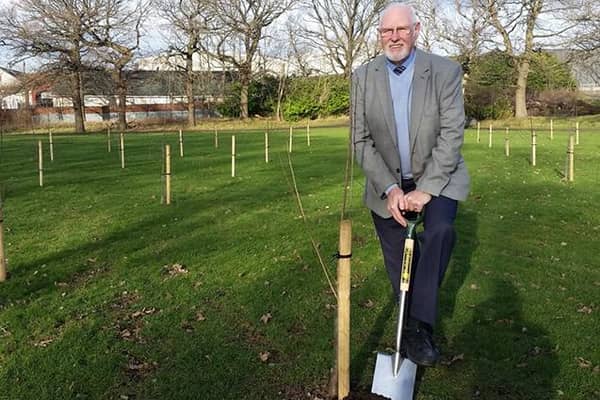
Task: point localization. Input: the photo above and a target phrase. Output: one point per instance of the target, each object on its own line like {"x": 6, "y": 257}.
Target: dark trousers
{"x": 431, "y": 256}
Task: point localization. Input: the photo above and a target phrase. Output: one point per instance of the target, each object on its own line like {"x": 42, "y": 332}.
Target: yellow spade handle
{"x": 409, "y": 245}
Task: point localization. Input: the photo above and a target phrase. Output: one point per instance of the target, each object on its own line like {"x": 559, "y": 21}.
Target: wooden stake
{"x": 533, "y": 146}
{"x": 308, "y": 133}
{"x": 343, "y": 312}
{"x": 180, "y": 143}
{"x": 41, "y": 163}
{"x": 108, "y": 138}
{"x": 506, "y": 144}
{"x": 577, "y": 132}
{"x": 570, "y": 159}
{"x": 167, "y": 174}
{"x": 478, "y": 131}
{"x": 216, "y": 138}
{"x": 2, "y": 257}
{"x": 122, "y": 150}
{"x": 290, "y": 139}
{"x": 232, "y": 156}
{"x": 51, "y": 145}
{"x": 551, "y": 129}
{"x": 490, "y": 137}
{"x": 266, "y": 147}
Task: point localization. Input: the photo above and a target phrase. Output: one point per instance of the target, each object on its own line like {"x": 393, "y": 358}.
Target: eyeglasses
{"x": 400, "y": 31}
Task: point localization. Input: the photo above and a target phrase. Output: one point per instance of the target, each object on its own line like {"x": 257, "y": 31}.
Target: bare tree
{"x": 117, "y": 38}
{"x": 524, "y": 25}
{"x": 57, "y": 33}
{"x": 585, "y": 38}
{"x": 454, "y": 27}
{"x": 341, "y": 28}
{"x": 240, "y": 26}
{"x": 299, "y": 50}
{"x": 188, "y": 22}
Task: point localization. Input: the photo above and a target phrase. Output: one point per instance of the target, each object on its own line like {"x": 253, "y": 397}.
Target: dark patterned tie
{"x": 399, "y": 70}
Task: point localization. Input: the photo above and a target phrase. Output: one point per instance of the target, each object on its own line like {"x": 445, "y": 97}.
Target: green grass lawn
{"x": 113, "y": 295}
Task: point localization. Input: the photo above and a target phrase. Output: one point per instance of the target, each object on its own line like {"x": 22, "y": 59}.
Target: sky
{"x": 152, "y": 41}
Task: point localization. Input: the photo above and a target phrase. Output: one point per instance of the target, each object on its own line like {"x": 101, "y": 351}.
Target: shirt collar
{"x": 408, "y": 62}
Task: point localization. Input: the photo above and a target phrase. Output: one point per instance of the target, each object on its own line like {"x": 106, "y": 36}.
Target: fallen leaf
{"x": 200, "y": 316}
{"x": 585, "y": 310}
{"x": 264, "y": 356}
{"x": 368, "y": 304}
{"x": 458, "y": 357}
{"x": 143, "y": 311}
{"x": 474, "y": 287}
{"x": 44, "y": 342}
{"x": 583, "y": 363}
{"x": 522, "y": 365}
{"x": 187, "y": 326}
{"x": 139, "y": 367}
{"x": 266, "y": 318}
{"x": 535, "y": 351}
{"x": 175, "y": 269}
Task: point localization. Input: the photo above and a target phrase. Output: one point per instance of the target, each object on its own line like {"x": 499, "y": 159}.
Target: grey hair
{"x": 401, "y": 4}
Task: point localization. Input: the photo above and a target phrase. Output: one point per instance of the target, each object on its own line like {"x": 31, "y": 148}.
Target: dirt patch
{"x": 364, "y": 396}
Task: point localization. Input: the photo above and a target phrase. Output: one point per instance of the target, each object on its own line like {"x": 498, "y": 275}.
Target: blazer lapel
{"x": 419, "y": 88}
{"x": 382, "y": 85}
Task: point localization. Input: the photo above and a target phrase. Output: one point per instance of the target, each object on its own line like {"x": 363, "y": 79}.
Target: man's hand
{"x": 416, "y": 200}
{"x": 396, "y": 204}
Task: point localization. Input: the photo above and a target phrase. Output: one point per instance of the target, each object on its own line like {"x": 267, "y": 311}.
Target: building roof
{"x": 12, "y": 72}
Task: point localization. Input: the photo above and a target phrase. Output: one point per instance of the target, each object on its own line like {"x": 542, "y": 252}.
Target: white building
{"x": 10, "y": 96}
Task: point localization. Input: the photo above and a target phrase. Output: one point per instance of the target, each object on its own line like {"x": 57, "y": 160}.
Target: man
{"x": 408, "y": 119}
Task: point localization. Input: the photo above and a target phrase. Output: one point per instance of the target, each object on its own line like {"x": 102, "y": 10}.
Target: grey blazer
{"x": 436, "y": 129}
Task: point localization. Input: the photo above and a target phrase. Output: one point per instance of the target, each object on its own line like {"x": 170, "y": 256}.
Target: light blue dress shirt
{"x": 401, "y": 90}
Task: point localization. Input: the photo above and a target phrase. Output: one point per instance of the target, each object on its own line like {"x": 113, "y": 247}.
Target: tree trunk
{"x": 189, "y": 91}
{"x": 245, "y": 73}
{"x": 244, "y": 99}
{"x": 280, "y": 92}
{"x": 122, "y": 97}
{"x": 77, "y": 103}
{"x": 521, "y": 91}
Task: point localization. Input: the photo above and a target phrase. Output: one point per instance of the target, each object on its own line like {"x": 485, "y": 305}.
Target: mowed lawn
{"x": 113, "y": 295}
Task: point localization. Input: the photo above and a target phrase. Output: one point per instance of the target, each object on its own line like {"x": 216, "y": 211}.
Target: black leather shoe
{"x": 420, "y": 347}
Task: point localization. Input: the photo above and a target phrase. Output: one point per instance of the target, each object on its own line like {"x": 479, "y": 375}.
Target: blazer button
{"x": 398, "y": 170}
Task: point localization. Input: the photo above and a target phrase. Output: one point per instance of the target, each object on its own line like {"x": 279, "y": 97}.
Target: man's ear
{"x": 416, "y": 31}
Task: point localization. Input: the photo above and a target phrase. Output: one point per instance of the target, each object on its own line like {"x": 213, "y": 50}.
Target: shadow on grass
{"x": 360, "y": 361}
{"x": 506, "y": 357}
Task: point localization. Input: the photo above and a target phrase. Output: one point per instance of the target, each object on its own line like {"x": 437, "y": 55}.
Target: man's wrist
{"x": 390, "y": 188}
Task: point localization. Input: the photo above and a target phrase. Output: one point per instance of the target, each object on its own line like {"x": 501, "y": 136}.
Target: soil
{"x": 364, "y": 396}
